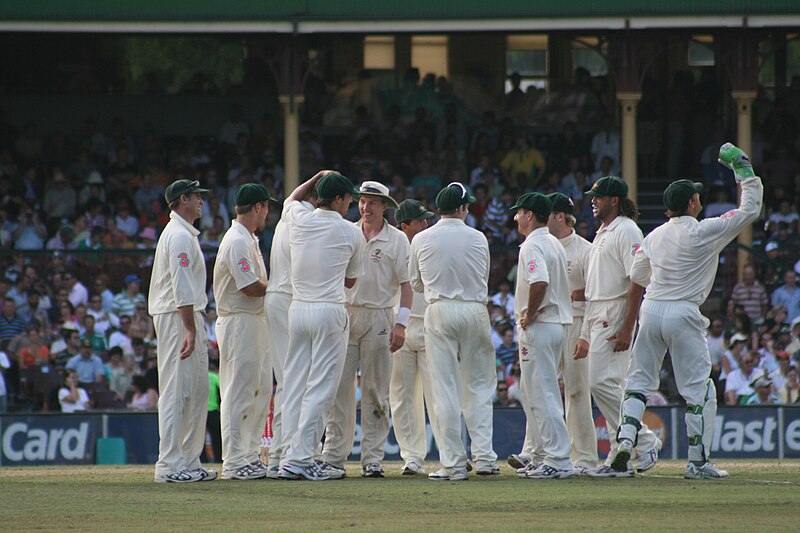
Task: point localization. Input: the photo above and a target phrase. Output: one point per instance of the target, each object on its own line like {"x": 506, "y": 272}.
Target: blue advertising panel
{"x": 791, "y": 433}
{"x": 740, "y": 432}
{"x": 140, "y": 431}
{"x": 48, "y": 439}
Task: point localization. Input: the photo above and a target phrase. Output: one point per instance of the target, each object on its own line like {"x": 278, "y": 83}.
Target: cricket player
{"x": 245, "y": 373}
{"x": 450, "y": 263}
{"x": 575, "y": 370}
{"x": 176, "y": 302}
{"x": 327, "y": 255}
{"x": 677, "y": 264}
{"x": 277, "y": 301}
{"x": 542, "y": 308}
{"x": 608, "y": 347}
{"x": 375, "y": 334}
{"x": 410, "y": 383}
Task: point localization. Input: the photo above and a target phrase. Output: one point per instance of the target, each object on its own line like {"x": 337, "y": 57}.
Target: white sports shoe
{"x": 487, "y": 469}
{"x": 623, "y": 456}
{"x": 705, "y": 471}
{"x": 548, "y": 472}
{"x": 246, "y": 472}
{"x": 412, "y": 468}
{"x": 372, "y": 470}
{"x": 184, "y": 476}
{"x": 648, "y": 459}
{"x": 312, "y": 472}
{"x": 333, "y": 471}
{"x": 273, "y": 470}
{"x": 449, "y": 474}
{"x": 518, "y": 461}
{"x": 607, "y": 471}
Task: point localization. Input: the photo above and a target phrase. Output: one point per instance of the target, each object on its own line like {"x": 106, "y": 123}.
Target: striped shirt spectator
{"x": 751, "y": 295}
{"x": 125, "y": 302}
{"x": 11, "y": 324}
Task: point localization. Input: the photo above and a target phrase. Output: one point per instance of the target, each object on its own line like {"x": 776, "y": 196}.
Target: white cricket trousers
{"x": 541, "y": 348}
{"x": 677, "y": 326}
{"x": 183, "y": 395}
{"x": 318, "y": 334}
{"x": 410, "y": 385}
{"x": 245, "y": 379}
{"x": 462, "y": 366}
{"x": 578, "y": 400}
{"x": 277, "y": 308}
{"x": 368, "y": 345}
{"x": 607, "y": 368}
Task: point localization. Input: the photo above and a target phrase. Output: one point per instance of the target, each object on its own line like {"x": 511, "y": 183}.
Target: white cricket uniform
{"x": 179, "y": 280}
{"x": 372, "y": 301}
{"x": 410, "y": 386}
{"x": 677, "y": 263}
{"x": 450, "y": 263}
{"x": 245, "y": 373}
{"x": 610, "y": 262}
{"x": 325, "y": 249}
{"x": 276, "y": 302}
{"x": 542, "y": 259}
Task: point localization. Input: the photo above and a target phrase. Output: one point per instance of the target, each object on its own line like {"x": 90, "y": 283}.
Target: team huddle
{"x": 407, "y": 306}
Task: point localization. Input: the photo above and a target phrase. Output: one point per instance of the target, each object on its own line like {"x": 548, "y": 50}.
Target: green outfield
{"x": 759, "y": 496}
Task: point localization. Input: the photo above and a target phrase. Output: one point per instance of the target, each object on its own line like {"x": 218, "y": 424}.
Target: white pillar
{"x": 629, "y": 101}
{"x": 291, "y": 141}
{"x": 744, "y": 140}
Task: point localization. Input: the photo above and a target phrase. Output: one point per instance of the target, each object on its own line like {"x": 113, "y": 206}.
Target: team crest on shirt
{"x": 183, "y": 259}
{"x": 376, "y": 255}
{"x": 569, "y": 267}
{"x": 728, "y": 215}
{"x": 244, "y": 265}
{"x": 605, "y": 324}
{"x": 635, "y": 248}
{"x": 524, "y": 353}
{"x": 531, "y": 266}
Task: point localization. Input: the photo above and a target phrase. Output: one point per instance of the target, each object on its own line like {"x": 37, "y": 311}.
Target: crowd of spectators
{"x": 81, "y": 211}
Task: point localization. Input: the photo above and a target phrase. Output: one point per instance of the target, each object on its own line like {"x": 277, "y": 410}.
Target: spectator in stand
{"x": 101, "y": 284}
{"x": 126, "y": 222}
{"x": 147, "y": 192}
{"x": 19, "y": 292}
{"x": 71, "y": 347}
{"x": 504, "y": 298}
{"x": 606, "y": 168}
{"x": 737, "y": 386}
{"x": 790, "y": 392}
{"x": 523, "y": 159}
{"x": 36, "y": 352}
{"x": 716, "y": 350}
{"x": 64, "y": 239}
{"x": 88, "y": 366}
{"x": 778, "y": 376}
{"x": 11, "y": 324}
{"x": 143, "y": 322}
{"x": 786, "y": 213}
{"x": 212, "y": 209}
{"x": 5, "y": 364}
{"x": 121, "y": 370}
{"x": 103, "y": 319}
{"x": 496, "y": 219}
{"x": 93, "y": 242}
{"x": 60, "y": 200}
{"x": 125, "y": 301}
{"x": 775, "y": 320}
{"x": 763, "y": 392}
{"x": 145, "y": 397}
{"x": 93, "y": 191}
{"x": 788, "y": 295}
{"x": 502, "y": 398}
{"x": 72, "y": 397}
{"x": 90, "y": 332}
{"x": 605, "y": 143}
{"x": 721, "y": 203}
{"x": 121, "y": 337}
{"x": 793, "y": 347}
{"x": 78, "y": 293}
{"x": 506, "y": 353}
{"x": 750, "y": 294}
{"x": 30, "y": 233}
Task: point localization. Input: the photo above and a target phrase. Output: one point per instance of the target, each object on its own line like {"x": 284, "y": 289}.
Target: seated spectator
{"x": 523, "y": 159}
{"x": 750, "y": 294}
{"x": 36, "y": 352}
{"x": 78, "y": 293}
{"x": 506, "y": 353}
{"x": 120, "y": 371}
{"x": 720, "y": 204}
{"x": 143, "y": 322}
{"x": 11, "y": 324}
{"x": 90, "y": 332}
{"x": 144, "y": 396}
{"x": 60, "y": 200}
{"x": 502, "y": 397}
{"x": 790, "y": 392}
{"x": 739, "y": 380}
{"x": 763, "y": 392}
{"x": 87, "y": 365}
{"x": 121, "y": 337}
{"x": 71, "y": 397}
{"x": 30, "y": 232}
{"x": 125, "y": 301}
{"x": 788, "y": 295}
{"x": 504, "y": 298}
{"x": 101, "y": 283}
{"x": 126, "y": 221}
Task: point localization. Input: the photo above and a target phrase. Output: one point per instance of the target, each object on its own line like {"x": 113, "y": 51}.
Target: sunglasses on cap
{"x": 463, "y": 189}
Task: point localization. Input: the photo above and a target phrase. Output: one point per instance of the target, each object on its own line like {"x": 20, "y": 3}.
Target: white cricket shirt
{"x": 239, "y": 264}
{"x": 577, "y": 249}
{"x": 385, "y": 268}
{"x": 611, "y": 259}
{"x": 542, "y": 258}
{"x": 280, "y": 260}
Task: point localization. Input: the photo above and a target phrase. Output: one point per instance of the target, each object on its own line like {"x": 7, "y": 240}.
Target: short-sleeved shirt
{"x": 450, "y": 261}
{"x": 280, "y": 261}
{"x": 239, "y": 264}
{"x": 179, "y": 270}
{"x": 87, "y": 369}
{"x": 543, "y": 259}
{"x": 385, "y": 268}
{"x": 611, "y": 259}
{"x": 81, "y": 405}
{"x": 325, "y": 249}
{"x": 124, "y": 304}
{"x": 577, "y": 249}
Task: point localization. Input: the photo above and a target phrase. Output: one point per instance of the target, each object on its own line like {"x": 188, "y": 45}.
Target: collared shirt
{"x": 280, "y": 261}
{"x": 11, "y": 328}
{"x": 325, "y": 249}
{"x": 789, "y": 299}
{"x": 542, "y": 259}
{"x": 179, "y": 270}
{"x": 678, "y": 260}
{"x": 577, "y": 249}
{"x": 87, "y": 369}
{"x": 611, "y": 258}
{"x": 239, "y": 264}
{"x": 450, "y": 261}
{"x": 385, "y": 268}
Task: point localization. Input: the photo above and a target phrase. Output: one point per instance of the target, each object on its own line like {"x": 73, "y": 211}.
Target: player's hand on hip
{"x": 397, "y": 337}
{"x": 581, "y": 350}
{"x": 622, "y": 340}
{"x": 188, "y": 344}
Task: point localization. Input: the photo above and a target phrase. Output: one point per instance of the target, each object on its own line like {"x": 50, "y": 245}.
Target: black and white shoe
{"x": 372, "y": 470}
{"x": 312, "y": 472}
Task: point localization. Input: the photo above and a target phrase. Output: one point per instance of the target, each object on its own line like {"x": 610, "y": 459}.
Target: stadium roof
{"x": 376, "y": 16}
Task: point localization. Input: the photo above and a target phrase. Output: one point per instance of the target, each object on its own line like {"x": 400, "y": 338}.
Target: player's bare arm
{"x": 304, "y": 190}
{"x": 186, "y": 313}
{"x": 257, "y": 289}
{"x": 578, "y": 295}
{"x": 398, "y": 335}
{"x": 622, "y": 338}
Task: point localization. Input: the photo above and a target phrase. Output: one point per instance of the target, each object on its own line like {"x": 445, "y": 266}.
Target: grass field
{"x": 759, "y": 496}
